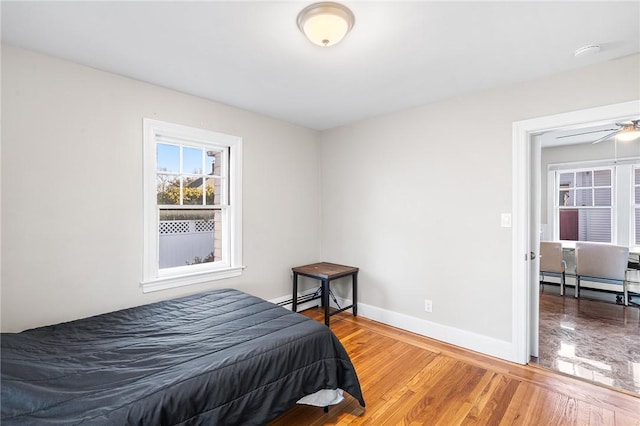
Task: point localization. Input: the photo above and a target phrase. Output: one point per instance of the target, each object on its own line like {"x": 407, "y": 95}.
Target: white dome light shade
{"x": 325, "y": 29}
{"x": 629, "y": 134}
{"x": 325, "y": 24}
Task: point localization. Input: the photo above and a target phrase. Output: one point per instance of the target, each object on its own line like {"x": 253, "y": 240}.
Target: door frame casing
{"x": 523, "y": 132}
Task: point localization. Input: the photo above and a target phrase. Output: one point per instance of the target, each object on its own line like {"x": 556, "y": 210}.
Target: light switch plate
{"x": 505, "y": 220}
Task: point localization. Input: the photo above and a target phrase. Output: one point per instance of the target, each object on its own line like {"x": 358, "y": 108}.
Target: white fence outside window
{"x": 181, "y": 242}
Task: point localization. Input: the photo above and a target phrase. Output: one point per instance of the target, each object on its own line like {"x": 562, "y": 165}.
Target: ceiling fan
{"x": 624, "y": 132}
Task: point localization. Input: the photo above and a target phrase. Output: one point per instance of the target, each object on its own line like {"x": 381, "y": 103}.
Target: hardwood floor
{"x": 409, "y": 379}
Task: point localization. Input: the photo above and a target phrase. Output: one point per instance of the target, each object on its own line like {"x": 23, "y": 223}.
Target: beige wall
{"x": 415, "y": 198}
{"x": 72, "y": 190}
{"x": 412, "y": 198}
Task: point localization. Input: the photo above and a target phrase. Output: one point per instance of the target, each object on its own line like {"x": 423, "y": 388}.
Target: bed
{"x": 221, "y": 357}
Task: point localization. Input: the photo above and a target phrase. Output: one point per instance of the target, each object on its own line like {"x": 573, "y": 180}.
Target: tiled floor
{"x": 594, "y": 340}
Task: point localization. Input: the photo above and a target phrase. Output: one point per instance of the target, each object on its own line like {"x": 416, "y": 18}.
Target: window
{"x": 596, "y": 200}
{"x": 192, "y": 205}
{"x": 584, "y": 204}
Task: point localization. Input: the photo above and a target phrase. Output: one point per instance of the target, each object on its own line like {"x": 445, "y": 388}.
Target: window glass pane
{"x": 584, "y": 179}
{"x": 584, "y": 197}
{"x": 595, "y": 225}
{"x": 567, "y": 198}
{"x": 602, "y": 196}
{"x": 637, "y": 221}
{"x": 192, "y": 191}
{"x": 602, "y": 178}
{"x": 191, "y": 160}
{"x": 213, "y": 162}
{"x": 167, "y": 158}
{"x": 168, "y": 189}
{"x": 215, "y": 193}
{"x": 566, "y": 180}
{"x": 637, "y": 194}
{"x": 637, "y": 176}
{"x": 187, "y": 237}
{"x": 568, "y": 224}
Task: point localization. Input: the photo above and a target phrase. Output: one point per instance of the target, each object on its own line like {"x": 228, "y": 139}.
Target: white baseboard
{"x": 455, "y": 336}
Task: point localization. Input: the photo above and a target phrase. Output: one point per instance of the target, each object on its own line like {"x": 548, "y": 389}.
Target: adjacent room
{"x": 178, "y": 177}
{"x": 588, "y": 181}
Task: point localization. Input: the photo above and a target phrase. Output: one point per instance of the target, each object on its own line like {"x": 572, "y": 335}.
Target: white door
{"x": 534, "y": 244}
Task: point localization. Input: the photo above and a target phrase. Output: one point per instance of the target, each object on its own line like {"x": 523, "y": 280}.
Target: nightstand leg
{"x": 294, "y": 303}
{"x": 325, "y": 301}
{"x": 355, "y": 294}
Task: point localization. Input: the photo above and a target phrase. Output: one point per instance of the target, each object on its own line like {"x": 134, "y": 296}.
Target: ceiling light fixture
{"x": 629, "y": 132}
{"x": 325, "y": 23}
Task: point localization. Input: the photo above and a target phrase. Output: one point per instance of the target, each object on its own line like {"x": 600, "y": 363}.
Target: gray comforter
{"x": 222, "y": 357}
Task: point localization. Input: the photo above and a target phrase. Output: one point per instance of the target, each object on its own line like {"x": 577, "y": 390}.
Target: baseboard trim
{"x": 454, "y": 336}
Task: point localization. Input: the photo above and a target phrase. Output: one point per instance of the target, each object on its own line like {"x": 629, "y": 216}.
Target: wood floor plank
{"x": 412, "y": 380}
{"x": 518, "y": 403}
{"x": 448, "y": 405}
{"x": 494, "y": 405}
{"x": 384, "y": 408}
{"x": 478, "y": 400}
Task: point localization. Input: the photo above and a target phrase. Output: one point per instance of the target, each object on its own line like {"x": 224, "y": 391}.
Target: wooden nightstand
{"x": 325, "y": 272}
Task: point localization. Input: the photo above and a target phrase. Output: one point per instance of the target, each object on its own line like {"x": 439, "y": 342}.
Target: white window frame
{"x": 612, "y": 207}
{"x": 622, "y": 228}
{"x": 154, "y": 278}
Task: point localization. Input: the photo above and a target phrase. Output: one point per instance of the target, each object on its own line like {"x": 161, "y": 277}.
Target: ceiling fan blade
{"x": 586, "y": 133}
{"x": 604, "y": 138}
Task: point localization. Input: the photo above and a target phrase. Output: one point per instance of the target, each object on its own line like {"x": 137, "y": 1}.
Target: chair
{"x": 551, "y": 262}
{"x": 602, "y": 263}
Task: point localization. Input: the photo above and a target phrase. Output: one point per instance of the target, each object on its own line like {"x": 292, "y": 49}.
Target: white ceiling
{"x": 398, "y": 55}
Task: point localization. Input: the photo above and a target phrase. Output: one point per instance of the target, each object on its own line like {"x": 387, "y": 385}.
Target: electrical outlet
{"x": 428, "y": 305}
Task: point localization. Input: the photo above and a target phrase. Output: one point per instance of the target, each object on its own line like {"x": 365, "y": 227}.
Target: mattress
{"x": 221, "y": 357}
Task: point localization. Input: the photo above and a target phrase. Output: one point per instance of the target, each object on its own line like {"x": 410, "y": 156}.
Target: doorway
{"x": 588, "y": 195}
{"x": 526, "y": 199}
